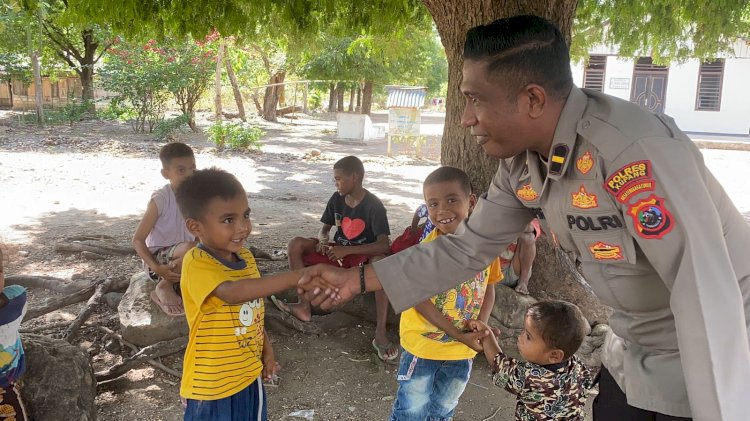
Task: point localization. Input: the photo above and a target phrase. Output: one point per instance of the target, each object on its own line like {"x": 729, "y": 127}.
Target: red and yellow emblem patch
{"x": 651, "y": 218}
{"x": 527, "y": 193}
{"x": 585, "y": 163}
{"x": 583, "y": 200}
{"x": 604, "y": 251}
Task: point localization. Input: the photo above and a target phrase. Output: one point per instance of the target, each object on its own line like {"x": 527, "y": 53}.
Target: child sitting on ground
{"x": 12, "y": 359}
{"x": 437, "y": 350}
{"x": 228, "y": 348}
{"x": 161, "y": 238}
{"x": 518, "y": 259}
{"x": 361, "y": 237}
{"x": 552, "y": 383}
{"x": 416, "y": 232}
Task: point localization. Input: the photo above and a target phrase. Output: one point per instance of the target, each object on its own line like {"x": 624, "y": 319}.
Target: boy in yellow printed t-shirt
{"x": 222, "y": 291}
{"x": 438, "y": 347}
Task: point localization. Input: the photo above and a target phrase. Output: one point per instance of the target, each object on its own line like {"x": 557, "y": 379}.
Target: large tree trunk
{"x": 38, "y": 98}
{"x": 331, "y": 98}
{"x": 367, "y": 98}
{"x": 87, "y": 64}
{"x": 340, "y": 97}
{"x": 352, "y": 92}
{"x": 459, "y": 148}
{"x": 358, "y": 109}
{"x": 271, "y": 98}
{"x": 235, "y": 88}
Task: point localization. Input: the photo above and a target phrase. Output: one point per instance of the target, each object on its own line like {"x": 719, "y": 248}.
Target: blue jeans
{"x": 247, "y": 404}
{"x": 429, "y": 389}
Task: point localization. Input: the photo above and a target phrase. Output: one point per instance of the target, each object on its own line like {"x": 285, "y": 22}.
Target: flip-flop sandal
{"x": 163, "y": 306}
{"x": 382, "y": 351}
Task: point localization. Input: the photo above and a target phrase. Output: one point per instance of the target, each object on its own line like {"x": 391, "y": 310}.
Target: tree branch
{"x": 62, "y": 42}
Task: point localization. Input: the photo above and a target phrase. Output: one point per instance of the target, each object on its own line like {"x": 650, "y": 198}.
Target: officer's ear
{"x": 533, "y": 99}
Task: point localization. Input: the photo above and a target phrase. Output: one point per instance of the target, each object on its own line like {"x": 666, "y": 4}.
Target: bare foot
{"x": 523, "y": 288}
{"x": 300, "y": 311}
{"x": 165, "y": 296}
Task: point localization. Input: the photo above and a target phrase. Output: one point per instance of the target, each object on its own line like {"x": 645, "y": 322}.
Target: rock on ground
{"x": 142, "y": 322}
{"x": 59, "y": 381}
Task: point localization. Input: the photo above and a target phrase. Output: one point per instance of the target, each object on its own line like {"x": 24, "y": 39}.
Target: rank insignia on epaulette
{"x": 557, "y": 160}
{"x": 527, "y": 193}
{"x": 585, "y": 163}
{"x": 583, "y": 199}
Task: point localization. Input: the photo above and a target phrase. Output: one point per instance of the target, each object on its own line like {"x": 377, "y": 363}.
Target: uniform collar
{"x": 564, "y": 140}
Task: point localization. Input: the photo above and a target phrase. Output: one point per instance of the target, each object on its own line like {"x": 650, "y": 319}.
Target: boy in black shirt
{"x": 361, "y": 237}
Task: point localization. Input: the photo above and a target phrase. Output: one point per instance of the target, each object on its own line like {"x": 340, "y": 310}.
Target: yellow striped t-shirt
{"x": 224, "y": 352}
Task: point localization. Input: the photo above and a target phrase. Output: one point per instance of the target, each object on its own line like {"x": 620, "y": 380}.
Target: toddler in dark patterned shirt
{"x": 550, "y": 383}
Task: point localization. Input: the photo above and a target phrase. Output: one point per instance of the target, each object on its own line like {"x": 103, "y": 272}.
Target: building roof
{"x": 405, "y": 96}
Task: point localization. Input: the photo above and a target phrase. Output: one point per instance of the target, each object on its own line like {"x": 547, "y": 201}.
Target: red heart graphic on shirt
{"x": 352, "y": 227}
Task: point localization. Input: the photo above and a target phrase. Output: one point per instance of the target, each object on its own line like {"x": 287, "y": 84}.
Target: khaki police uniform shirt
{"x": 658, "y": 239}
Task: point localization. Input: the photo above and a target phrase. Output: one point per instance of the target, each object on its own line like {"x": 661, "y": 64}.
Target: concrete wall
{"x": 682, "y": 88}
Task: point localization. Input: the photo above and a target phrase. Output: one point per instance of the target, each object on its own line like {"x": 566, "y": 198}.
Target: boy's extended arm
{"x": 487, "y": 303}
{"x": 428, "y": 310}
{"x": 381, "y": 246}
{"x": 139, "y": 243}
{"x": 244, "y": 290}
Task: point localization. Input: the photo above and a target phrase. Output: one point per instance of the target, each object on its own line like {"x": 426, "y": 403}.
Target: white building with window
{"x": 704, "y": 97}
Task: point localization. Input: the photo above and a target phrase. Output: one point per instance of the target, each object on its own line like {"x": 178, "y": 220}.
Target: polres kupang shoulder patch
{"x": 630, "y": 179}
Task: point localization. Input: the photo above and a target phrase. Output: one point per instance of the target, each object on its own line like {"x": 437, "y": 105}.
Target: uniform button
{"x": 586, "y": 124}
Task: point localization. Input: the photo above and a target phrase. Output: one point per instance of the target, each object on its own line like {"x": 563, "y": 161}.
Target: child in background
{"x": 552, "y": 383}
{"x": 437, "y": 350}
{"x": 161, "y": 238}
{"x": 12, "y": 359}
{"x": 361, "y": 237}
{"x": 228, "y": 348}
{"x": 517, "y": 260}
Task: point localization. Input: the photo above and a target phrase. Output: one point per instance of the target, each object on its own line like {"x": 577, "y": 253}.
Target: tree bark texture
{"x": 331, "y": 97}
{"x": 358, "y": 109}
{"x": 367, "y": 98}
{"x": 351, "y": 98}
{"x": 38, "y": 98}
{"x": 340, "y": 97}
{"x": 235, "y": 88}
{"x": 271, "y": 98}
{"x": 87, "y": 64}
{"x": 459, "y": 148}
{"x": 217, "y": 82}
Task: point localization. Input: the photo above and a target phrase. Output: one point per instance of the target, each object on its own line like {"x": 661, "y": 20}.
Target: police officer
{"x": 624, "y": 190}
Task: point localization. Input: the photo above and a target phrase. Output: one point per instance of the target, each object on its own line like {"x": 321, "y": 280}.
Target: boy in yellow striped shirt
{"x": 222, "y": 291}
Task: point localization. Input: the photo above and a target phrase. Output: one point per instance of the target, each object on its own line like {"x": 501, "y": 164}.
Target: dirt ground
{"x": 96, "y": 179}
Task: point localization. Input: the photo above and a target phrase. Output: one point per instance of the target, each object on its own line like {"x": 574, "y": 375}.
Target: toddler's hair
{"x": 203, "y": 185}
{"x": 350, "y": 165}
{"x": 445, "y": 174}
{"x": 174, "y": 150}
{"x": 561, "y": 324}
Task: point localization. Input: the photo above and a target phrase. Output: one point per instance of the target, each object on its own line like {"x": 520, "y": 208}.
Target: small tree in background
{"x": 145, "y": 76}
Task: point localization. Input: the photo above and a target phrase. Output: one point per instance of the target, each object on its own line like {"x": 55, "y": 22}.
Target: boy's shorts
{"x": 406, "y": 240}
{"x": 350, "y": 261}
{"x": 247, "y": 404}
{"x": 510, "y": 277}
{"x": 162, "y": 256}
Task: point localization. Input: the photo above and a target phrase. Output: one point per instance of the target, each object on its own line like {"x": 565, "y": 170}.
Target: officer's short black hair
{"x": 561, "y": 324}
{"x": 445, "y": 174}
{"x": 350, "y": 165}
{"x": 197, "y": 190}
{"x": 521, "y": 50}
{"x": 174, "y": 150}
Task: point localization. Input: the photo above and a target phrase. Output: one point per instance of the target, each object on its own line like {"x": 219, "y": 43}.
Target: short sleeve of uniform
{"x": 329, "y": 215}
{"x": 378, "y": 218}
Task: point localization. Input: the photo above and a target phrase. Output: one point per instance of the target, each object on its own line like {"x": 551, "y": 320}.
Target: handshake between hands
{"x": 483, "y": 338}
